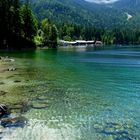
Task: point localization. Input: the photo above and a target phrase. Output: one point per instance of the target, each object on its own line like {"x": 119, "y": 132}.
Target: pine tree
{"x": 53, "y": 36}
{"x": 16, "y": 18}
{"x": 29, "y": 22}
{"x": 50, "y": 34}
{"x": 10, "y": 20}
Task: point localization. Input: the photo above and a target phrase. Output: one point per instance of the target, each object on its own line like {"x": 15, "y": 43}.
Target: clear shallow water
{"x": 90, "y": 94}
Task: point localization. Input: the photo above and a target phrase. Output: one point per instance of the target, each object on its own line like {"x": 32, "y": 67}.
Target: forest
{"x": 107, "y": 36}
{"x": 21, "y": 30}
{"x": 17, "y": 25}
{"x": 23, "y": 25}
{"x": 78, "y": 19}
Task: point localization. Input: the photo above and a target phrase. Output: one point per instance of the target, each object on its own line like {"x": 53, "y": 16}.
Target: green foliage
{"x": 10, "y": 20}
{"x": 50, "y": 34}
{"x": 29, "y": 22}
{"x": 108, "y": 38}
{"x": 78, "y": 19}
{"x": 67, "y": 38}
{"x": 68, "y": 20}
{"x": 121, "y": 35}
{"x": 87, "y": 14}
{"x": 38, "y": 39}
{"x": 17, "y": 24}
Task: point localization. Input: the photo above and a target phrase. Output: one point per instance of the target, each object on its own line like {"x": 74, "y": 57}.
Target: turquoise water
{"x": 89, "y": 94}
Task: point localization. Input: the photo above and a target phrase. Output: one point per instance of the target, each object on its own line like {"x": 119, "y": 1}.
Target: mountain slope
{"x": 89, "y": 14}
{"x": 128, "y": 5}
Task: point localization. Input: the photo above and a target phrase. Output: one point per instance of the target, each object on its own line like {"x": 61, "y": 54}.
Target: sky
{"x": 102, "y": 1}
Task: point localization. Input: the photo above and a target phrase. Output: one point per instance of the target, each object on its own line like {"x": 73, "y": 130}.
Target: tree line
{"x": 82, "y": 20}
{"x": 19, "y": 28}
{"x": 117, "y": 35}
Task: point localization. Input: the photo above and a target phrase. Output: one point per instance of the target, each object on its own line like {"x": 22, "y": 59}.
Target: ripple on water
{"x": 68, "y": 98}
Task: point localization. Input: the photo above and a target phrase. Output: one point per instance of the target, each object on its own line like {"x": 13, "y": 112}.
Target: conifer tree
{"x": 50, "y": 34}
{"x": 29, "y": 22}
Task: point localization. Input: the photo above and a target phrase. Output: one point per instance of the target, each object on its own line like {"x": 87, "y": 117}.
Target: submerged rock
{"x": 117, "y": 130}
{"x": 39, "y": 105}
{"x": 2, "y": 93}
{"x": 32, "y": 90}
{"x": 14, "y": 122}
{"x": 42, "y": 98}
{"x": 1, "y": 83}
{"x": 7, "y": 69}
{"x": 4, "y": 110}
{"x": 17, "y": 81}
{"x": 7, "y": 121}
{"x": 7, "y": 59}
{"x": 11, "y": 69}
{"x": 21, "y": 107}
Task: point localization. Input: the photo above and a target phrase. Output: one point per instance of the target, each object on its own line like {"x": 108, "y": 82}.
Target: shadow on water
{"x": 32, "y": 54}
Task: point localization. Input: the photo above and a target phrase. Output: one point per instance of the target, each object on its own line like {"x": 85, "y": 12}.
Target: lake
{"x": 74, "y": 94}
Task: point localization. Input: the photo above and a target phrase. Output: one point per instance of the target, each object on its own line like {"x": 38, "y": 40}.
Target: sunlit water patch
{"x": 74, "y": 94}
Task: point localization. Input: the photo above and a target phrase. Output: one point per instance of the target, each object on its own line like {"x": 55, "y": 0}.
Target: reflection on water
{"x": 75, "y": 94}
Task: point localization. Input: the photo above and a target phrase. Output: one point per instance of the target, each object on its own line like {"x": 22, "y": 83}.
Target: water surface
{"x": 90, "y": 94}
